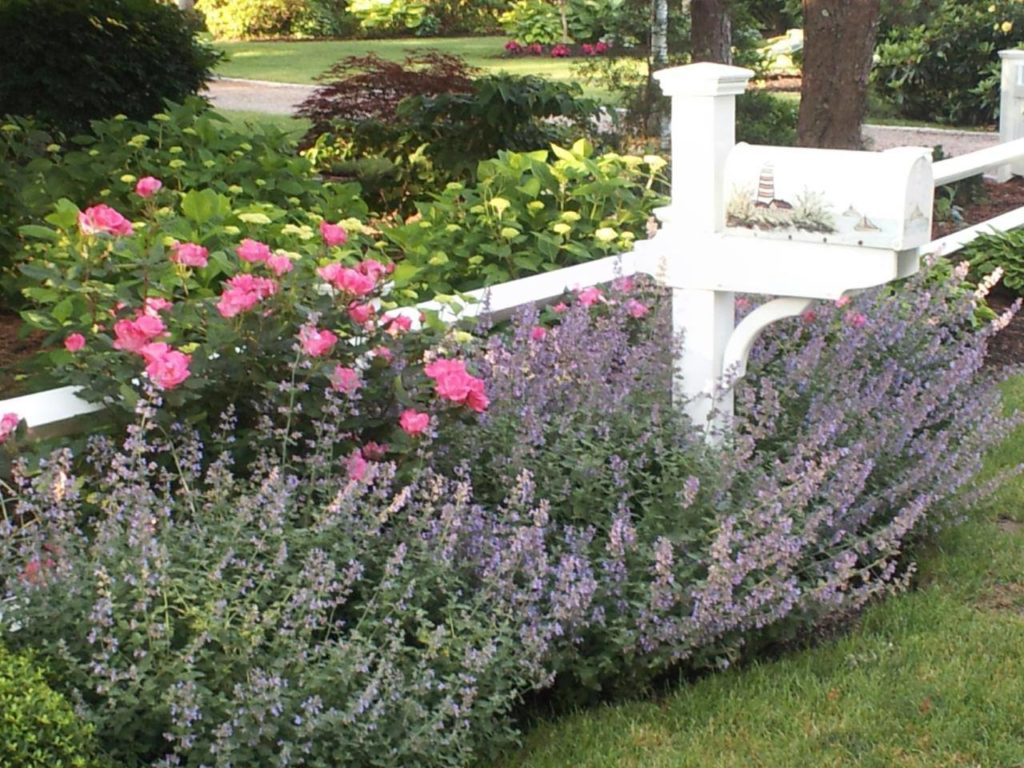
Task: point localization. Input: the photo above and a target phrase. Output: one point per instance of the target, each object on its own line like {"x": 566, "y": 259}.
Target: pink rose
{"x": 333, "y": 234}
{"x": 373, "y": 269}
{"x": 279, "y": 264}
{"x": 383, "y": 353}
{"x": 165, "y": 367}
{"x": 413, "y": 422}
{"x": 374, "y": 451}
{"x": 453, "y": 382}
{"x": 360, "y": 313}
{"x": 589, "y": 296}
{"x": 356, "y": 466}
{"x": 842, "y": 301}
{"x": 538, "y": 333}
{"x": 154, "y": 351}
{"x": 316, "y": 342}
{"x": 560, "y": 308}
{"x": 8, "y": 424}
{"x": 74, "y": 342}
{"x": 397, "y": 324}
{"x": 347, "y": 280}
{"x": 102, "y": 219}
{"x": 243, "y": 293}
{"x": 35, "y": 570}
{"x": 133, "y": 335}
{"x": 345, "y": 380}
{"x": 636, "y": 308}
{"x": 809, "y": 316}
{"x": 856, "y": 319}
{"x": 476, "y": 400}
{"x": 148, "y": 186}
{"x": 253, "y": 251}
{"x": 263, "y": 287}
{"x": 189, "y": 255}
{"x": 235, "y": 301}
{"x": 624, "y": 285}
{"x": 153, "y": 305}
{"x": 442, "y": 367}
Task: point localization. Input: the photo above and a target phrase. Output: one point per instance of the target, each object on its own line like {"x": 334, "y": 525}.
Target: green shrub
{"x": 38, "y": 728}
{"x": 528, "y": 212}
{"x": 187, "y": 145}
{"x": 533, "y": 21}
{"x": 67, "y": 62}
{"x": 540, "y": 21}
{"x": 397, "y": 16}
{"x": 763, "y": 118}
{"x": 405, "y": 129}
{"x": 239, "y": 19}
{"x": 947, "y": 69}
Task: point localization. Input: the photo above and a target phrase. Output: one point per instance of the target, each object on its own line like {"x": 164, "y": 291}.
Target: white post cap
{"x": 704, "y": 79}
{"x": 1012, "y": 55}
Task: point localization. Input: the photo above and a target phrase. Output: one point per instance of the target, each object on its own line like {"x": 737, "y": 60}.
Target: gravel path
{"x": 282, "y": 98}
{"x": 257, "y": 95}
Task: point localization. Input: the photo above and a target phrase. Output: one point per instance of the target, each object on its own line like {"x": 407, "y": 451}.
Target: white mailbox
{"x": 868, "y": 199}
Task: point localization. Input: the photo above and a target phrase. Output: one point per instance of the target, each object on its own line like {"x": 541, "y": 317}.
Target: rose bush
{"x": 219, "y": 309}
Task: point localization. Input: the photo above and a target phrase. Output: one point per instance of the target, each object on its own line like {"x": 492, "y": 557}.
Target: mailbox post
{"x": 794, "y": 224}
{"x": 703, "y": 132}
{"x": 1011, "y": 109}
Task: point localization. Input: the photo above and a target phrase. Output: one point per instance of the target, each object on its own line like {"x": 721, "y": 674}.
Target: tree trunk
{"x": 710, "y": 31}
{"x": 563, "y": 14}
{"x": 658, "y": 60}
{"x": 659, "y": 34}
{"x": 839, "y": 41}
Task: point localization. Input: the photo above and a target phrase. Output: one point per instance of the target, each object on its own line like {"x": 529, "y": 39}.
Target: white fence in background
{"x": 743, "y": 219}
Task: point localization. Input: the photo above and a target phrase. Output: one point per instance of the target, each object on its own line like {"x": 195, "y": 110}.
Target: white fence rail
{"x": 693, "y": 236}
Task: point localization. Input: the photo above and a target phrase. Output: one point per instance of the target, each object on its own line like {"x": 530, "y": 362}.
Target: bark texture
{"x": 710, "y": 31}
{"x": 839, "y": 40}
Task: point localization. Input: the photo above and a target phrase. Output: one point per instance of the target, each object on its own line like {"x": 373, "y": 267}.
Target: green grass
{"x": 302, "y": 61}
{"x": 932, "y": 678}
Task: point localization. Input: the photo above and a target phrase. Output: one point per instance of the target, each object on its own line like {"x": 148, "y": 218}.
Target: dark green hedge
{"x": 67, "y": 62}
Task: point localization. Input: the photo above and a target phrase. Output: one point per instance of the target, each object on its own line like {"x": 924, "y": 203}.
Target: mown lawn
{"x": 932, "y": 678}
{"x": 302, "y": 61}
{"x": 297, "y": 126}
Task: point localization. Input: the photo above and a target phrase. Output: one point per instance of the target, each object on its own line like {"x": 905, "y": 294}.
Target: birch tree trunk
{"x": 839, "y": 42}
{"x": 658, "y": 60}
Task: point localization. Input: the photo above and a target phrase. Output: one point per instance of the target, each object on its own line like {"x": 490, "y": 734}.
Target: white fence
{"x": 705, "y": 261}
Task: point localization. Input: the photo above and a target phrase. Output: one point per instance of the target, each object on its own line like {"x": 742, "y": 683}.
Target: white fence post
{"x": 703, "y": 131}
{"x": 1011, "y": 109}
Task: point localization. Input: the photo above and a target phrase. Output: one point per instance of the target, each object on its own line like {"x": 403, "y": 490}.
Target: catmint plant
{"x": 573, "y": 532}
